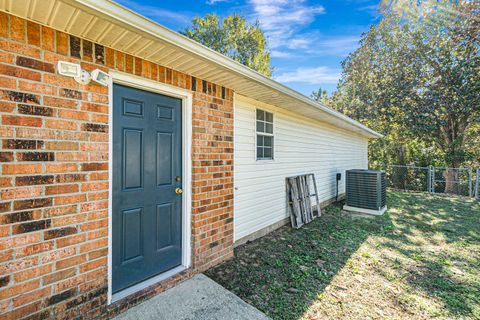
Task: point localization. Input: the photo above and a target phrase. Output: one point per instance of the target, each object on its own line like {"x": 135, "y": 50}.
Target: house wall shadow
{"x": 291, "y": 268}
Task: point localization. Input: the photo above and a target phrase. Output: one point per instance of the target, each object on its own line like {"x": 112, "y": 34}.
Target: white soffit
{"x": 112, "y": 25}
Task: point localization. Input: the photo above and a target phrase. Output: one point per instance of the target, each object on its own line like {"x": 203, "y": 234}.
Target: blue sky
{"x": 308, "y": 39}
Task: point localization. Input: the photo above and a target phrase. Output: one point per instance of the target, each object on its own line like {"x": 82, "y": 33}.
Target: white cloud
{"x": 286, "y": 22}
{"x": 156, "y": 13}
{"x": 339, "y": 45}
{"x": 212, "y": 2}
{"x": 281, "y": 19}
{"x": 316, "y": 75}
{"x": 314, "y": 45}
{"x": 280, "y": 54}
{"x": 299, "y": 43}
{"x": 372, "y": 10}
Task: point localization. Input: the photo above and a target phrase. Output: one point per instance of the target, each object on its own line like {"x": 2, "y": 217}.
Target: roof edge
{"x": 127, "y": 16}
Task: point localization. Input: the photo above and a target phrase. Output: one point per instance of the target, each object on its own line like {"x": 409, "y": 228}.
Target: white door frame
{"x": 186, "y": 96}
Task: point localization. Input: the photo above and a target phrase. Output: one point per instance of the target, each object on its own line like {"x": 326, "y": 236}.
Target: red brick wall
{"x": 54, "y": 174}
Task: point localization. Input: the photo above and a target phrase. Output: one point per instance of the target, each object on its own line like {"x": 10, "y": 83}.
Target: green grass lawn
{"x": 420, "y": 260}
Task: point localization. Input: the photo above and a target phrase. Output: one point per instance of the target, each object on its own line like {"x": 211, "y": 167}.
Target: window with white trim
{"x": 264, "y": 130}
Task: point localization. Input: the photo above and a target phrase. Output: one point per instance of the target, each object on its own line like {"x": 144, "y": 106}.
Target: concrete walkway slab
{"x": 198, "y": 298}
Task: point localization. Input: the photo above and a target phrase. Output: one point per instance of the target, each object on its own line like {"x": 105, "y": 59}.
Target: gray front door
{"x": 147, "y": 170}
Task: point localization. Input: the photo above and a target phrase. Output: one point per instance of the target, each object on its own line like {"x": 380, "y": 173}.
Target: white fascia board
{"x": 136, "y": 21}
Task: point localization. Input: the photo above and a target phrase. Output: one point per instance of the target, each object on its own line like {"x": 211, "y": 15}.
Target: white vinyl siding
{"x": 301, "y": 146}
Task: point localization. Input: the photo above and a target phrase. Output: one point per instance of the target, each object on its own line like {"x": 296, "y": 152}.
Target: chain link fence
{"x": 459, "y": 181}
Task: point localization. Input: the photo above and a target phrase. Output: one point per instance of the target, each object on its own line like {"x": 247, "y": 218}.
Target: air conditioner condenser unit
{"x": 365, "y": 191}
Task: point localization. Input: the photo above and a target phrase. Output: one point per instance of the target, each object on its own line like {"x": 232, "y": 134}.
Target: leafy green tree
{"x": 234, "y": 37}
{"x": 416, "y": 77}
{"x": 320, "y": 95}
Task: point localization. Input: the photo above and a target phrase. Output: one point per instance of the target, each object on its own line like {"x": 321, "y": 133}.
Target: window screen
{"x": 264, "y": 125}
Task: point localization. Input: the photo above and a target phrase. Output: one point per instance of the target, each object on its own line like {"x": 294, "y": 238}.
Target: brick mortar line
{"x": 52, "y": 284}
{"x": 56, "y": 249}
{"x": 74, "y": 224}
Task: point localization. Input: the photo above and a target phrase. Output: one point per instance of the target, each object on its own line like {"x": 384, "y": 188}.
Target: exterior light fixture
{"x": 69, "y": 69}
{"x": 84, "y": 78}
{"x": 100, "y": 77}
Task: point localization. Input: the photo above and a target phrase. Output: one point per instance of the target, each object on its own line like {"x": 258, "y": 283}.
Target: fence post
{"x": 433, "y": 179}
{"x": 470, "y": 180}
{"x": 429, "y": 182}
{"x": 477, "y": 184}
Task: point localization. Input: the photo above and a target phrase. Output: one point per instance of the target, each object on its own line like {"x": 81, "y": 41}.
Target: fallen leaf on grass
{"x": 335, "y": 296}
{"x": 293, "y": 290}
{"x": 304, "y": 268}
{"x": 319, "y": 262}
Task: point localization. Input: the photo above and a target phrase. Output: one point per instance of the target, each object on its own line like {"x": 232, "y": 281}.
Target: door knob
{"x": 178, "y": 191}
